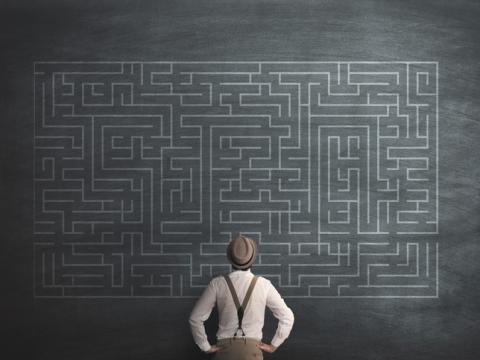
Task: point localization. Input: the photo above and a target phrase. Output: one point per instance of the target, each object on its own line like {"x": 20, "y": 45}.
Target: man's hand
{"x": 213, "y": 349}
{"x": 267, "y": 347}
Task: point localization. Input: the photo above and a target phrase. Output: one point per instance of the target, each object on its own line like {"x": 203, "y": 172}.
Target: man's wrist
{"x": 205, "y": 347}
{"x": 276, "y": 342}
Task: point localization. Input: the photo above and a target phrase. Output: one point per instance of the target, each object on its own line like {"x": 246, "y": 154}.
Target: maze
{"x": 144, "y": 171}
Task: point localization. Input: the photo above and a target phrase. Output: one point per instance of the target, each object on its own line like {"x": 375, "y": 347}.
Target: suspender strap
{"x": 240, "y": 308}
{"x": 232, "y": 290}
{"x": 249, "y": 292}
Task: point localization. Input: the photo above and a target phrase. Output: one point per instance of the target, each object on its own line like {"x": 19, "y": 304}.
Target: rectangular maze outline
{"x": 434, "y": 242}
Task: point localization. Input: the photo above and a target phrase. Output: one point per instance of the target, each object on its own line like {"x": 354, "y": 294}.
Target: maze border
{"x": 435, "y": 241}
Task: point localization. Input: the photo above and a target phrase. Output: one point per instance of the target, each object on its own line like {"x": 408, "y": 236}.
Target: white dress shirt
{"x": 264, "y": 294}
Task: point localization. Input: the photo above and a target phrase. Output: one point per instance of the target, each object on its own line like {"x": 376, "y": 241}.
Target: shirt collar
{"x": 249, "y": 271}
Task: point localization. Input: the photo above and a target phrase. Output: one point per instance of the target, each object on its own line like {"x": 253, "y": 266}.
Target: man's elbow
{"x": 291, "y": 316}
{"x": 193, "y": 321}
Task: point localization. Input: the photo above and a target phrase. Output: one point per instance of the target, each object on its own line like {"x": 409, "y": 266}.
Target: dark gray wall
{"x": 444, "y": 31}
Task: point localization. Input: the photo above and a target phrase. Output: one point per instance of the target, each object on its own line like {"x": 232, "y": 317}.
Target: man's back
{"x": 253, "y": 319}
{"x": 264, "y": 295}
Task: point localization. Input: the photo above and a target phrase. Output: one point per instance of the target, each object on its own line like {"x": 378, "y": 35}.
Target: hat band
{"x": 246, "y": 262}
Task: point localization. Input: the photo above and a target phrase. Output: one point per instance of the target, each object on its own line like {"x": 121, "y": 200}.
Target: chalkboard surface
{"x": 373, "y": 66}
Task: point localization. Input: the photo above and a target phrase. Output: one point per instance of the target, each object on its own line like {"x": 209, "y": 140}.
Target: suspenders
{"x": 240, "y": 308}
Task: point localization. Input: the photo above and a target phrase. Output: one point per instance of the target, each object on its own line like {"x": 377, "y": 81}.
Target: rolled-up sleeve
{"x": 283, "y": 313}
{"x": 200, "y": 313}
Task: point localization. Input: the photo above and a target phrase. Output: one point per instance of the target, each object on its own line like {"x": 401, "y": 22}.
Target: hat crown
{"x": 242, "y": 252}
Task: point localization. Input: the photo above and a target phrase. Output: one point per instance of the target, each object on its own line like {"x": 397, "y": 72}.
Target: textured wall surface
{"x": 138, "y": 137}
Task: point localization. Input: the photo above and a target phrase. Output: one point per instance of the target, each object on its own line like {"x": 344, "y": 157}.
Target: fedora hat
{"x": 241, "y": 252}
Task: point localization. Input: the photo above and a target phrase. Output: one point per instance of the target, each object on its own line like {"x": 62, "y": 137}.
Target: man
{"x": 239, "y": 335}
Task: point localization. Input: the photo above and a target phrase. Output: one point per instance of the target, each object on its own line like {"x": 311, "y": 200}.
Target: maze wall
{"x": 144, "y": 171}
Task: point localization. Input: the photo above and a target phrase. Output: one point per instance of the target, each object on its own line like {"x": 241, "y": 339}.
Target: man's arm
{"x": 284, "y": 315}
{"x": 200, "y": 313}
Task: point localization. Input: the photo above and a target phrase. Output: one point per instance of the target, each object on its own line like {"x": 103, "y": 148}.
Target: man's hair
{"x": 241, "y": 269}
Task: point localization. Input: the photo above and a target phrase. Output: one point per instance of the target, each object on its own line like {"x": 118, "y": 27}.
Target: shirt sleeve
{"x": 283, "y": 313}
{"x": 200, "y": 313}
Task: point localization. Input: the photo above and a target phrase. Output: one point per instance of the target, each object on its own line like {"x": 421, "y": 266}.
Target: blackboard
{"x": 437, "y": 41}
